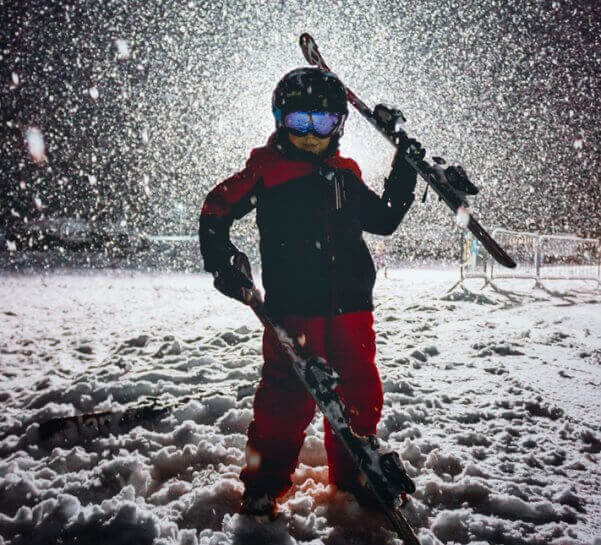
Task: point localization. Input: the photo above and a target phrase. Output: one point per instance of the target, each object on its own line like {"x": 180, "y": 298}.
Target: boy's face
{"x": 309, "y": 142}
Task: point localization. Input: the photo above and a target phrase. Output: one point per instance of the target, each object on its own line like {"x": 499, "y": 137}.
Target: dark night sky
{"x": 144, "y": 106}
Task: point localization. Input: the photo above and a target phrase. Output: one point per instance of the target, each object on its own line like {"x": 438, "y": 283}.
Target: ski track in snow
{"x": 492, "y": 400}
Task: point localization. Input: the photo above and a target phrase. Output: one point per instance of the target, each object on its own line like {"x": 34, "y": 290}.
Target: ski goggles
{"x": 320, "y": 123}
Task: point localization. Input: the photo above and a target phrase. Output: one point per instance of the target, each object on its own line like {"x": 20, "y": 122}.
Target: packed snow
{"x": 491, "y": 399}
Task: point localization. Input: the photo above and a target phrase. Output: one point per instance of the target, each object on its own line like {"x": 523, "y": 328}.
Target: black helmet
{"x": 308, "y": 89}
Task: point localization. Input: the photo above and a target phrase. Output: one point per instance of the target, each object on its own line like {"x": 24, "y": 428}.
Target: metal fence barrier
{"x": 568, "y": 257}
{"x": 540, "y": 257}
{"x": 523, "y": 247}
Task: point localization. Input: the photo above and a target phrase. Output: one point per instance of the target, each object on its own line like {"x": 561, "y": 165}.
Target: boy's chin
{"x": 314, "y": 146}
{"x": 315, "y": 150}
{"x": 307, "y": 152}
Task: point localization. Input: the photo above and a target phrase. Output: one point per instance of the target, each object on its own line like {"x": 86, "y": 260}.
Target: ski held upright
{"x": 450, "y": 184}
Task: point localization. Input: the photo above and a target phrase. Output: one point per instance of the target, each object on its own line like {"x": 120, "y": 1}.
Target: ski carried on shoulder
{"x": 382, "y": 469}
{"x": 451, "y": 184}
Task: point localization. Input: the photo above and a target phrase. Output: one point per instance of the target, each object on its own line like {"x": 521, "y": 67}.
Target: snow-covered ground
{"x": 492, "y": 399}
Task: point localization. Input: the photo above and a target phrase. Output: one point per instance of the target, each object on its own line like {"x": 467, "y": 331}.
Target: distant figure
{"x": 312, "y": 209}
{"x": 381, "y": 260}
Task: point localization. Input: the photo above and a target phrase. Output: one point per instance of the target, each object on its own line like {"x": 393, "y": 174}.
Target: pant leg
{"x": 282, "y": 410}
{"x": 351, "y": 351}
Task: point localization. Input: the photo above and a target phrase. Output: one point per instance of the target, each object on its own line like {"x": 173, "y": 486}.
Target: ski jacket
{"x": 311, "y": 215}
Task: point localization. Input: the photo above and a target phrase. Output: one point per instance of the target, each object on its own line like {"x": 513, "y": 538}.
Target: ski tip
{"x": 307, "y": 44}
{"x": 305, "y": 38}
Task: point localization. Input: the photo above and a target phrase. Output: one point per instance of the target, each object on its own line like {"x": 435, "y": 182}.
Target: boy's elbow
{"x": 382, "y": 228}
{"x": 385, "y": 228}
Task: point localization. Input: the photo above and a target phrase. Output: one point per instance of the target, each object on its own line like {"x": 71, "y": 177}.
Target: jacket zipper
{"x": 330, "y": 255}
{"x": 337, "y": 193}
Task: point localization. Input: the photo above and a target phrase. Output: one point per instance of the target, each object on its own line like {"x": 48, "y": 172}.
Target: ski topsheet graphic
{"x": 382, "y": 470}
{"x": 451, "y": 184}
{"x": 66, "y": 431}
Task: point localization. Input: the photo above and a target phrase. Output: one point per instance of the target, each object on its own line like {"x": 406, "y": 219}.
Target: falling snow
{"x": 117, "y": 119}
{"x": 123, "y": 51}
{"x": 462, "y": 217}
{"x": 36, "y": 145}
{"x": 509, "y": 90}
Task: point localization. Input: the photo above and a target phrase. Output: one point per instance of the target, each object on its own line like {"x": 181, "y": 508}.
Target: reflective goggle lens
{"x": 321, "y": 123}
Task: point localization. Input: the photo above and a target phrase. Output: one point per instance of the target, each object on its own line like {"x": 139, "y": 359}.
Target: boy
{"x": 318, "y": 275}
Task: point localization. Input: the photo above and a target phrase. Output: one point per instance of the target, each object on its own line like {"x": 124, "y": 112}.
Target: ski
{"x": 382, "y": 469}
{"x": 69, "y": 430}
{"x": 450, "y": 184}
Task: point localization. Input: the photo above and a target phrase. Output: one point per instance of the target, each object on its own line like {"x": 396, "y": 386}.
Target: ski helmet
{"x": 309, "y": 89}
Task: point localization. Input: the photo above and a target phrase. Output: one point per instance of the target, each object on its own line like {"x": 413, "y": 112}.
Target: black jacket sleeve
{"x": 381, "y": 215}
{"x": 229, "y": 200}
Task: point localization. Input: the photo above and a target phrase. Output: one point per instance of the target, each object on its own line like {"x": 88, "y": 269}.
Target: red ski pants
{"x": 283, "y": 408}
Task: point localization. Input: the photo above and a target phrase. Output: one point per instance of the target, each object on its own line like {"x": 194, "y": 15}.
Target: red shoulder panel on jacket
{"x": 281, "y": 170}
{"x": 346, "y": 163}
{"x": 274, "y": 168}
{"x": 224, "y": 196}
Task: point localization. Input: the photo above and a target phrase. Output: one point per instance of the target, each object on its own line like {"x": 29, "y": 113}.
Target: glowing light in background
{"x": 508, "y": 89}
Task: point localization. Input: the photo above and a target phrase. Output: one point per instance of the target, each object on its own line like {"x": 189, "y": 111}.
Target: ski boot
{"x": 261, "y": 506}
